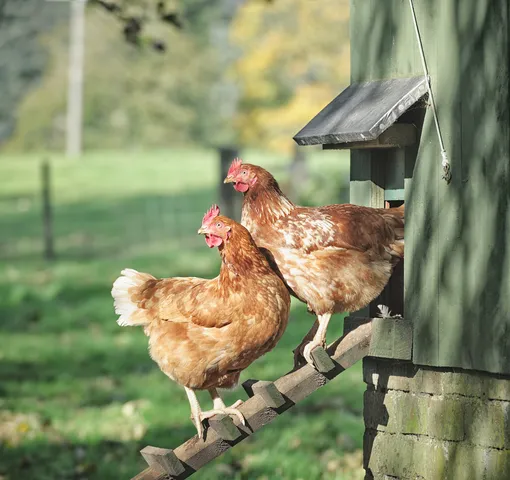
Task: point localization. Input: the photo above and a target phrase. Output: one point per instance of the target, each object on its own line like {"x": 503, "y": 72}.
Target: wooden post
{"x": 298, "y": 173}
{"x": 230, "y": 200}
{"x": 47, "y": 212}
{"x": 75, "y": 86}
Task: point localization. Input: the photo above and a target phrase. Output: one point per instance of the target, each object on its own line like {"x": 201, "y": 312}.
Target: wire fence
{"x": 112, "y": 207}
{"x": 34, "y": 225}
{"x": 158, "y": 224}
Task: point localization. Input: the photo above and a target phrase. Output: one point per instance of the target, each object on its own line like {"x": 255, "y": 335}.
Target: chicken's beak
{"x": 229, "y": 179}
{"x": 202, "y": 230}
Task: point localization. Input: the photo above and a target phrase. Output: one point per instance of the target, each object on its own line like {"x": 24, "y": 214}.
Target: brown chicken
{"x": 336, "y": 258}
{"x": 203, "y": 333}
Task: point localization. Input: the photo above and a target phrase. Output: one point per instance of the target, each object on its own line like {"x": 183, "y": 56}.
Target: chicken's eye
{"x": 218, "y": 225}
{"x": 244, "y": 172}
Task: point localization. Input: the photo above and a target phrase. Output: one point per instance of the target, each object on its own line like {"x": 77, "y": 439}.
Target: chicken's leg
{"x": 319, "y": 340}
{"x": 196, "y": 411}
{"x": 219, "y": 407}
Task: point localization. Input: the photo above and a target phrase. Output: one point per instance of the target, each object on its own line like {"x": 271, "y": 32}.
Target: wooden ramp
{"x": 267, "y": 401}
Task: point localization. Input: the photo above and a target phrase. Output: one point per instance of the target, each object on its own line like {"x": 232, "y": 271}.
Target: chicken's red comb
{"x": 234, "y": 166}
{"x": 213, "y": 212}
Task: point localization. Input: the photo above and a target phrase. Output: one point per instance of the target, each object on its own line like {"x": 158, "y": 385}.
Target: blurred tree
{"x": 132, "y": 97}
{"x": 295, "y": 59}
{"x": 217, "y": 73}
{"x": 22, "y": 59}
{"x": 143, "y": 23}
{"x": 135, "y": 96}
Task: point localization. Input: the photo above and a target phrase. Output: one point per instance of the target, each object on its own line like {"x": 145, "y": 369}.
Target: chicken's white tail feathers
{"x": 123, "y": 289}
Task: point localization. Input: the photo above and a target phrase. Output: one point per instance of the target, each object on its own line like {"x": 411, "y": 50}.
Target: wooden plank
{"x": 447, "y": 221}
{"x": 322, "y": 360}
{"x": 162, "y": 459}
{"x": 397, "y": 136}
{"x": 363, "y": 112}
{"x": 151, "y": 474}
{"x": 267, "y": 390}
{"x": 392, "y": 338}
{"x": 421, "y": 268}
{"x": 392, "y": 195}
{"x": 294, "y": 387}
{"x": 224, "y": 426}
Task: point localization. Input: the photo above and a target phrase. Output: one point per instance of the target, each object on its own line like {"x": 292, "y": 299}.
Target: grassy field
{"x": 79, "y": 396}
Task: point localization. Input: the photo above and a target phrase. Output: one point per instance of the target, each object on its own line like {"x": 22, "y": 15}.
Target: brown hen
{"x": 203, "y": 333}
{"x": 336, "y": 258}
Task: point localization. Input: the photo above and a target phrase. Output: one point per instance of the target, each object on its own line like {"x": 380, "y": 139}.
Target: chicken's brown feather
{"x": 202, "y": 333}
{"x": 334, "y": 258}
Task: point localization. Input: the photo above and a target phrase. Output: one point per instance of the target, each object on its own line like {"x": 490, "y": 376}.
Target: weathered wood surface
{"x": 259, "y": 410}
{"x": 396, "y": 136}
{"x": 363, "y": 111}
{"x": 457, "y": 270}
{"x": 47, "y": 211}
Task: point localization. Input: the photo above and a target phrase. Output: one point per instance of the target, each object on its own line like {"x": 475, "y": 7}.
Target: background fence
{"x": 110, "y": 206}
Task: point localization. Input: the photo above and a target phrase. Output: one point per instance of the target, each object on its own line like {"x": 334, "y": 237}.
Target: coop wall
{"x": 457, "y": 268}
{"x": 435, "y": 423}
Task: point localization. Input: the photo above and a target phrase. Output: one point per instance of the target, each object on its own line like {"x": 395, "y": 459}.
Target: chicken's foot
{"x": 219, "y": 407}
{"x": 319, "y": 340}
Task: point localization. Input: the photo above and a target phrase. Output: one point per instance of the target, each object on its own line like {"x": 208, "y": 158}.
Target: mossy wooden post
{"x": 47, "y": 212}
{"x": 298, "y": 173}
{"x": 229, "y": 200}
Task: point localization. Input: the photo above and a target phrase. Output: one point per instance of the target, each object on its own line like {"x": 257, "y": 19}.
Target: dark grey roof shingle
{"x": 362, "y": 111}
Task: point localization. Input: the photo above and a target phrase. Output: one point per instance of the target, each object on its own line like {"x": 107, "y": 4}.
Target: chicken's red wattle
{"x": 213, "y": 240}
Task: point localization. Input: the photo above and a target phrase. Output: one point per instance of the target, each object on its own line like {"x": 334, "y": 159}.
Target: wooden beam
{"x": 392, "y": 338}
{"x": 151, "y": 473}
{"x": 162, "y": 460}
{"x": 394, "y": 195}
{"x": 267, "y": 390}
{"x": 47, "y": 211}
{"x": 260, "y": 409}
{"x": 396, "y": 136}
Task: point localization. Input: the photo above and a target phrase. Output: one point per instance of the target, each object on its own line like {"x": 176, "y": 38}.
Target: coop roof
{"x": 362, "y": 111}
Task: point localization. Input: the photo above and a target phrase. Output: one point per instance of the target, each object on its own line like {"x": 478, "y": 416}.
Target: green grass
{"x": 79, "y": 396}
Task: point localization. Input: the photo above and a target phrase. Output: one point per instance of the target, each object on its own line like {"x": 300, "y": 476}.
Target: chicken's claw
{"x": 231, "y": 411}
{"x": 198, "y": 425}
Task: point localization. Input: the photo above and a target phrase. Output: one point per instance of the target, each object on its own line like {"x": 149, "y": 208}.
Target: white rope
{"x": 447, "y": 175}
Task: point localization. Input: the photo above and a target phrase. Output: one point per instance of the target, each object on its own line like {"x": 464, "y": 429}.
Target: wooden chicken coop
{"x": 437, "y": 404}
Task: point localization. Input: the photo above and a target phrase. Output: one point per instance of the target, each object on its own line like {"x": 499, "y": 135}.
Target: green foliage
{"x": 246, "y": 73}
{"x": 132, "y": 97}
{"x": 294, "y": 59}
{"x": 328, "y": 181}
{"x": 79, "y": 396}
